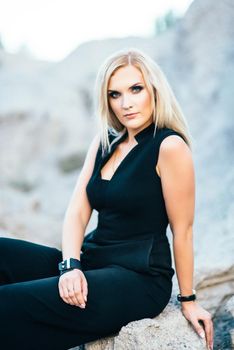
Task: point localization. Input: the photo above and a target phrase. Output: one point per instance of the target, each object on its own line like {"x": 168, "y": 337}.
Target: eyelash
{"x": 111, "y": 94}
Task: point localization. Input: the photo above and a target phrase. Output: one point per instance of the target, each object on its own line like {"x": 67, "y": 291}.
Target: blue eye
{"x": 115, "y": 94}
{"x": 137, "y": 88}
{"x": 112, "y": 94}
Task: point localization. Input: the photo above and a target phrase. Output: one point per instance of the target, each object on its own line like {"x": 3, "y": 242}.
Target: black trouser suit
{"x": 34, "y": 316}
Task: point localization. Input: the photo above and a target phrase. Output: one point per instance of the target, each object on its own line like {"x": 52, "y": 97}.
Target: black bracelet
{"x": 69, "y": 264}
{"x": 187, "y": 298}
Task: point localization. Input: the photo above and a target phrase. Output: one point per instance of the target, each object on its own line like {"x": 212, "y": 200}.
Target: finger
{"x": 71, "y": 293}
{"x": 64, "y": 281}
{"x": 207, "y": 330}
{"x": 65, "y": 295}
{"x": 81, "y": 287}
{"x": 78, "y": 293}
{"x": 212, "y": 334}
{"x": 74, "y": 296}
{"x": 198, "y": 328}
{"x": 84, "y": 287}
{"x": 207, "y": 323}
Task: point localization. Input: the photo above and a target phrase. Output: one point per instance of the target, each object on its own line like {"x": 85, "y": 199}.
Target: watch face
{"x": 63, "y": 265}
{"x": 69, "y": 263}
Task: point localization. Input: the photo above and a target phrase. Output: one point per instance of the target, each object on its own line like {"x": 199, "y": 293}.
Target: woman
{"x": 138, "y": 174}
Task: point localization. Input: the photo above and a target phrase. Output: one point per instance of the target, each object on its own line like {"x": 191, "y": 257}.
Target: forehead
{"x": 125, "y": 77}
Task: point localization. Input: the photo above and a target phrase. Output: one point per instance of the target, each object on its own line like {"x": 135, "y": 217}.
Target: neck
{"x": 133, "y": 132}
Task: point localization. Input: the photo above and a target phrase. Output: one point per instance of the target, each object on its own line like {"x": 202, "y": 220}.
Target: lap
{"x": 116, "y": 296}
{"x": 109, "y": 287}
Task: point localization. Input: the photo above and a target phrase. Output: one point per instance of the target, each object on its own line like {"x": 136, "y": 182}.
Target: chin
{"x": 133, "y": 123}
{"x": 137, "y": 122}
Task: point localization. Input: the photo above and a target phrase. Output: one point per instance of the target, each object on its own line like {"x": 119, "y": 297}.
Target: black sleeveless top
{"x": 132, "y": 218}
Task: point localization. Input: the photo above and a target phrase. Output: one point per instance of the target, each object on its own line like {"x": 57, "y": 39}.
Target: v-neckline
{"x": 120, "y": 164}
{"x": 138, "y": 137}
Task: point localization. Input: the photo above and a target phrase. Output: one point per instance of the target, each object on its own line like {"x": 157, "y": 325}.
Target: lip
{"x": 129, "y": 115}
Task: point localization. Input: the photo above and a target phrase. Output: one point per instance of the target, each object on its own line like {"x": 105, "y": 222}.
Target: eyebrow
{"x": 129, "y": 87}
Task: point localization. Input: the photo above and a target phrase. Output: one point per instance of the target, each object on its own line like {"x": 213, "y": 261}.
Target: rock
{"x": 224, "y": 324}
{"x": 170, "y": 330}
{"x": 229, "y": 307}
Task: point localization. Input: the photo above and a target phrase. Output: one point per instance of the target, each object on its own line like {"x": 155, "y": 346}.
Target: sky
{"x": 51, "y": 29}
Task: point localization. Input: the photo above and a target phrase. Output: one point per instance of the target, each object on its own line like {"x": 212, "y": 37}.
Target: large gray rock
{"x": 229, "y": 307}
{"x": 168, "y": 331}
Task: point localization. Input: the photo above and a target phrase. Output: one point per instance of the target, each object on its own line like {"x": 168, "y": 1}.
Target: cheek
{"x": 115, "y": 105}
{"x": 144, "y": 100}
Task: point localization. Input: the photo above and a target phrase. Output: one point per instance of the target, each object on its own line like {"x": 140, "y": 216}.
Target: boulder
{"x": 169, "y": 330}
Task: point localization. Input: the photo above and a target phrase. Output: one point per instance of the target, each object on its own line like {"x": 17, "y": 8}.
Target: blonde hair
{"x": 166, "y": 109}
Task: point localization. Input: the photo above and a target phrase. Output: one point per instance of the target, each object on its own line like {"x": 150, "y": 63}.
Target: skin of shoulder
{"x": 176, "y": 168}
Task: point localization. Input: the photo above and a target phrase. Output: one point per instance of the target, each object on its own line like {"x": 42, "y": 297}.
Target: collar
{"x": 142, "y": 134}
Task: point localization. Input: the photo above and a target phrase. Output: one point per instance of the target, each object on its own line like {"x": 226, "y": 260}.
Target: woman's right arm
{"x": 79, "y": 210}
{"x": 76, "y": 219}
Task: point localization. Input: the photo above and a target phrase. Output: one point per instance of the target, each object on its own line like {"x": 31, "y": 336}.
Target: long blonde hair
{"x": 166, "y": 109}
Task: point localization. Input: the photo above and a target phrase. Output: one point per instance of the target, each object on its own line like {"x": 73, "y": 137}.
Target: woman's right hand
{"x": 73, "y": 288}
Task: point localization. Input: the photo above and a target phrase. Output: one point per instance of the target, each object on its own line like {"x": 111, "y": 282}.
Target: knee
{"x": 6, "y": 255}
{"x": 5, "y": 243}
{"x": 3, "y": 257}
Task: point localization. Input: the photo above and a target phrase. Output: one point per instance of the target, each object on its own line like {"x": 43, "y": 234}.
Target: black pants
{"x": 34, "y": 316}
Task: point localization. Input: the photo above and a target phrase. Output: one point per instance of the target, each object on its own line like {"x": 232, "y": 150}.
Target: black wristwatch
{"x": 187, "y": 298}
{"x": 69, "y": 264}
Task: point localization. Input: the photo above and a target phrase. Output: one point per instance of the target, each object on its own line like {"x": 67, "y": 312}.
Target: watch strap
{"x": 69, "y": 264}
{"x": 183, "y": 298}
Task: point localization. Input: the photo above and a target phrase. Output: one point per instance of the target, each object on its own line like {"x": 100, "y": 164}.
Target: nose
{"x": 126, "y": 102}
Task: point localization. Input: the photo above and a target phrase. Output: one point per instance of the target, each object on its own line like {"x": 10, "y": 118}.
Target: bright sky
{"x": 51, "y": 29}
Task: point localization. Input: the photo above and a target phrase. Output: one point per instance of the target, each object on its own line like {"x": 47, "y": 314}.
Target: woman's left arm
{"x": 176, "y": 169}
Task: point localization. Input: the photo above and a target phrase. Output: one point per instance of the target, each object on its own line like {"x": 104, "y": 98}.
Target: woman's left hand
{"x": 193, "y": 312}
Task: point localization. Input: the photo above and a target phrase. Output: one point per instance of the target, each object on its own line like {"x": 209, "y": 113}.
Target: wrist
{"x": 187, "y": 298}
{"x": 187, "y": 304}
{"x": 69, "y": 264}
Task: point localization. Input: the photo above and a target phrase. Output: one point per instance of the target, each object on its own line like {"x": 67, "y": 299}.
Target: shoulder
{"x": 171, "y": 141}
{"x": 165, "y": 132}
{"x": 174, "y": 152}
{"x": 168, "y": 138}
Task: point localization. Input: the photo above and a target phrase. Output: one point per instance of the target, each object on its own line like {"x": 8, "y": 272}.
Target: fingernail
{"x": 202, "y": 335}
{"x": 82, "y": 305}
{"x": 85, "y": 298}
